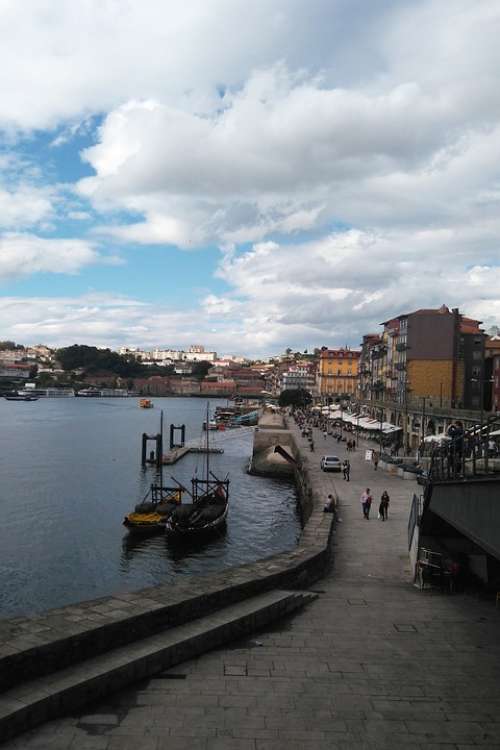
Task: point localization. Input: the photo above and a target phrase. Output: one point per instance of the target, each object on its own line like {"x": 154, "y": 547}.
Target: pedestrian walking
{"x": 325, "y": 434}
{"x": 366, "y": 503}
{"x": 384, "y": 506}
{"x": 375, "y": 460}
{"x": 346, "y": 469}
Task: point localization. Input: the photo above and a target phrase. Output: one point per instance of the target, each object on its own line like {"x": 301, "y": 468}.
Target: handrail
{"x": 466, "y": 454}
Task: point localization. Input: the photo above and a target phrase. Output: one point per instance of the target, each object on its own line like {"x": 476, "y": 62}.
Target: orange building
{"x": 338, "y": 372}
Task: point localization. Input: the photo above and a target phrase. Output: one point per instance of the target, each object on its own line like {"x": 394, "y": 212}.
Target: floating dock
{"x": 177, "y": 453}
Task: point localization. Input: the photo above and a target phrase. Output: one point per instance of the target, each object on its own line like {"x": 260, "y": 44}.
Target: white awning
{"x": 387, "y": 428}
{"x": 437, "y": 438}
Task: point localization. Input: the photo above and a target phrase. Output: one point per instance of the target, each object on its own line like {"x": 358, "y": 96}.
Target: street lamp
{"x": 380, "y": 440}
{"x": 481, "y": 382}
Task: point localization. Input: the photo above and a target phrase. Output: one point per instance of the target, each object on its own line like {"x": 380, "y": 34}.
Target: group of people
{"x": 383, "y": 508}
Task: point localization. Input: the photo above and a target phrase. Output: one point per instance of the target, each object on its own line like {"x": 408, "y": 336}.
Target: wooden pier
{"x": 175, "y": 455}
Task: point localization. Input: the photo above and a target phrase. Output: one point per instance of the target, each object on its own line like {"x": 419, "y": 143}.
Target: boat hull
{"x": 180, "y": 530}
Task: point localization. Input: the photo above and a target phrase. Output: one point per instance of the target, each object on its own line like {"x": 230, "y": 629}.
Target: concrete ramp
{"x": 473, "y": 508}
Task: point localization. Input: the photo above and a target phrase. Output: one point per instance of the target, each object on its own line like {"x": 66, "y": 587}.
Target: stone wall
{"x": 34, "y": 646}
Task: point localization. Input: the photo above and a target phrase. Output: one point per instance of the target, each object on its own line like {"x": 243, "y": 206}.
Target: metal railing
{"x": 469, "y": 453}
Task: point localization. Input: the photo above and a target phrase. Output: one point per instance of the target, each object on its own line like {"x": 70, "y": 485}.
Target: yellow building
{"x": 338, "y": 372}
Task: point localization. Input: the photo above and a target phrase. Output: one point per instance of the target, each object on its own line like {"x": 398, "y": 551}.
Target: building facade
{"x": 434, "y": 353}
{"x": 338, "y": 372}
{"x": 299, "y": 378}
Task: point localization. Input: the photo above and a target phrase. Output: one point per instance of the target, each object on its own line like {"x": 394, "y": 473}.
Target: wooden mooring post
{"x": 177, "y": 428}
{"x": 156, "y": 455}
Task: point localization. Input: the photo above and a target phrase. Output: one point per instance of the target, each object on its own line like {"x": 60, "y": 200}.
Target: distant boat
{"x": 20, "y": 397}
{"x": 88, "y": 393}
{"x": 146, "y": 403}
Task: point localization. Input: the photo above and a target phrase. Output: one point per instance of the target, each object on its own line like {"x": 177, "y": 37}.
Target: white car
{"x": 331, "y": 463}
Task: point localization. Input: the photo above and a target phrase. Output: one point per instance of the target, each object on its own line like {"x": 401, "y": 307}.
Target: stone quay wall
{"x": 34, "y": 646}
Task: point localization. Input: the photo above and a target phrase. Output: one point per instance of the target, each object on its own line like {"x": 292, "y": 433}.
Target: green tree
{"x": 9, "y": 345}
{"x": 295, "y": 397}
{"x": 200, "y": 369}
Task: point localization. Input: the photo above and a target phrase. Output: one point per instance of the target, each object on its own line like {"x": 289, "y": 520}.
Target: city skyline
{"x": 170, "y": 175}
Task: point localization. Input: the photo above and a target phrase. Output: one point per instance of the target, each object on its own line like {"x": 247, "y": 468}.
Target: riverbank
{"x": 372, "y": 664}
{"x": 31, "y": 648}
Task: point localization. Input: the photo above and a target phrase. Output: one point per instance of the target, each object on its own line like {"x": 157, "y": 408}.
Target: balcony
{"x": 401, "y": 347}
{"x": 400, "y": 366}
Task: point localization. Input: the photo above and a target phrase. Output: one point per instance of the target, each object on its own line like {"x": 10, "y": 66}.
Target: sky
{"x": 247, "y": 176}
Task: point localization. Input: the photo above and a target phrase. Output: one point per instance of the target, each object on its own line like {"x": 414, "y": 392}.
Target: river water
{"x": 70, "y": 470}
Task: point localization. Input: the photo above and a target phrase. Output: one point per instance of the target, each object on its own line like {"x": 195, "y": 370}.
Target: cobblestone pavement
{"x": 372, "y": 663}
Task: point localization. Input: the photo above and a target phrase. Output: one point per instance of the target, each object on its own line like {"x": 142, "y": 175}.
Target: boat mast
{"x": 160, "y": 447}
{"x": 208, "y": 454}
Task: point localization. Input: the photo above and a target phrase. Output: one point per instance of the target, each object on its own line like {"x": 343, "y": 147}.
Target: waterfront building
{"x": 299, "y": 377}
{"x": 338, "y": 372}
{"x": 492, "y": 374}
{"x": 437, "y": 354}
{"x": 14, "y": 370}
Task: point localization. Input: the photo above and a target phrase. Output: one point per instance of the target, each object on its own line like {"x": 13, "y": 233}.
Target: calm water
{"x": 70, "y": 470}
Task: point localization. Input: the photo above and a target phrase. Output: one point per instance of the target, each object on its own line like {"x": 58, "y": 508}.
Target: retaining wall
{"x": 33, "y": 646}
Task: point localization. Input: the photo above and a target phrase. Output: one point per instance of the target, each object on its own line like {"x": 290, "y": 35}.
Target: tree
{"x": 200, "y": 369}
{"x": 9, "y": 346}
{"x": 295, "y": 397}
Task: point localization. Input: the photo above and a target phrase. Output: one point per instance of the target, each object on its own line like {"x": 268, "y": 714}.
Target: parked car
{"x": 331, "y": 463}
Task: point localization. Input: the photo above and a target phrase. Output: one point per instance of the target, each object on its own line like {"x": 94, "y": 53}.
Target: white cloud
{"x": 80, "y": 58}
{"x": 25, "y": 206}
{"x": 384, "y": 119}
{"x": 24, "y": 254}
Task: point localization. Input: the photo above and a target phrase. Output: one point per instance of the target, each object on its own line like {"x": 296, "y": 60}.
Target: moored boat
{"x": 153, "y": 512}
{"x": 146, "y": 403}
{"x": 20, "y": 397}
{"x": 208, "y": 510}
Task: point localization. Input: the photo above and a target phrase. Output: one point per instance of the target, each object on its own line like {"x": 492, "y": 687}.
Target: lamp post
{"x": 380, "y": 439}
{"x": 481, "y": 382}
{"x": 423, "y": 399}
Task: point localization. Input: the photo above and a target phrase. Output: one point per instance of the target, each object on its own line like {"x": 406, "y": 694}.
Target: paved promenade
{"x": 372, "y": 663}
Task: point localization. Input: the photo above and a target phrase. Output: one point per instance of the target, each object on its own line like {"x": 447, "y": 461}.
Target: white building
{"x": 298, "y": 377}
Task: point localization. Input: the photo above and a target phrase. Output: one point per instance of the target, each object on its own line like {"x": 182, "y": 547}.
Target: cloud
{"x": 108, "y": 320}
{"x": 334, "y": 289}
{"x": 25, "y": 254}
{"x": 75, "y": 59}
{"x": 25, "y": 206}
{"x": 345, "y": 174}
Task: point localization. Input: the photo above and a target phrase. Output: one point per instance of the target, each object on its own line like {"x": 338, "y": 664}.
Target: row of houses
{"x": 438, "y": 355}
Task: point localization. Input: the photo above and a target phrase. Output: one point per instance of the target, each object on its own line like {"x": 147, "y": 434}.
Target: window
{"x": 477, "y": 355}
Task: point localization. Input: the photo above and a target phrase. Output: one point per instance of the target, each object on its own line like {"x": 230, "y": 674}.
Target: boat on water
{"x": 207, "y": 511}
{"x": 88, "y": 393}
{"x": 20, "y": 397}
{"x": 152, "y": 513}
{"x": 146, "y": 403}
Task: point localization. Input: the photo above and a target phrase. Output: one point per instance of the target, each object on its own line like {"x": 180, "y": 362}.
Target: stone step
{"x": 67, "y": 690}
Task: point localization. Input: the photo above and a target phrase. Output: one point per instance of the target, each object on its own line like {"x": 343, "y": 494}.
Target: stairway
{"x": 64, "y": 691}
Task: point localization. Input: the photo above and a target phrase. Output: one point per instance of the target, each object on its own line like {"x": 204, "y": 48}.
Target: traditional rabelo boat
{"x": 153, "y": 512}
{"x": 207, "y": 511}
{"x": 146, "y": 403}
